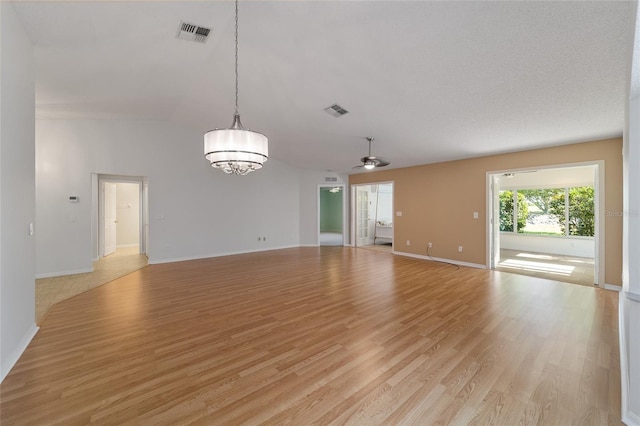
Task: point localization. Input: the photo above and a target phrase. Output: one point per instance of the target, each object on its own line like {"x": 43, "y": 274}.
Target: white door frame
{"x": 98, "y": 226}
{"x": 342, "y": 187}
{"x": 354, "y": 212}
{"x": 108, "y": 217}
{"x": 599, "y": 213}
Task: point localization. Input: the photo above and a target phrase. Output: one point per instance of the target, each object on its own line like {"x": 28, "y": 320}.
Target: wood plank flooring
{"x": 328, "y": 335}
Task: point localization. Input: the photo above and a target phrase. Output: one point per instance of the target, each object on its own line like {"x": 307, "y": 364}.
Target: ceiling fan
{"x": 370, "y": 162}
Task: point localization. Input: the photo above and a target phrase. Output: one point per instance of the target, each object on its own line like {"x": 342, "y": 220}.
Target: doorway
{"x": 372, "y": 220}
{"x": 331, "y": 214}
{"x": 120, "y": 203}
{"x": 546, "y": 222}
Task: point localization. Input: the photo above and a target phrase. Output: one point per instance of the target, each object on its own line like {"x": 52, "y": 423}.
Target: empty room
{"x": 312, "y": 212}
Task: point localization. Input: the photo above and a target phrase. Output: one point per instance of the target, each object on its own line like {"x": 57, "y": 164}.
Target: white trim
{"x": 635, "y": 297}
{"x": 628, "y": 417}
{"x": 63, "y": 273}
{"x": 184, "y": 259}
{"x": 126, "y": 245}
{"x": 11, "y": 360}
{"x": 438, "y": 259}
{"x": 353, "y": 223}
{"x": 612, "y": 287}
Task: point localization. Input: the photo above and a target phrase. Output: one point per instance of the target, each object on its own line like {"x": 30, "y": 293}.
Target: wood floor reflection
{"x": 317, "y": 336}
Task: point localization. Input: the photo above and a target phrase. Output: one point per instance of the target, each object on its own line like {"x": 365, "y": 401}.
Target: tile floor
{"x": 50, "y": 291}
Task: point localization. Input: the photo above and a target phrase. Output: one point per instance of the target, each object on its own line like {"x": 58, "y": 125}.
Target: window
{"x": 556, "y": 211}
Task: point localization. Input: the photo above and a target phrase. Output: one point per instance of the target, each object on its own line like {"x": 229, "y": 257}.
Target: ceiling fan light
{"x": 369, "y": 164}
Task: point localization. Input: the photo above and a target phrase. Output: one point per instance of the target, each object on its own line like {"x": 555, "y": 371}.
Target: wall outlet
{"x": 408, "y": 242}
{"x": 429, "y": 245}
{"x": 460, "y": 249}
{"x": 475, "y": 215}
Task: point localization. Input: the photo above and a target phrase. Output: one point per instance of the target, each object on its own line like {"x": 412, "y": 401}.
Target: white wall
{"x": 579, "y": 247}
{"x": 629, "y": 313}
{"x": 127, "y": 214}
{"x": 17, "y": 188}
{"x": 385, "y": 203}
{"x": 194, "y": 210}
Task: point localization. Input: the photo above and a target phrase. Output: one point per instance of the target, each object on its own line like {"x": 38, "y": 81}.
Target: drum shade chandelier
{"x": 236, "y": 150}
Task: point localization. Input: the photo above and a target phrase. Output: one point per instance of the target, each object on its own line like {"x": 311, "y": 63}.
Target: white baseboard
{"x": 438, "y": 259}
{"x": 630, "y": 419}
{"x": 61, "y": 273}
{"x": 10, "y": 361}
{"x": 612, "y": 287}
{"x": 184, "y": 259}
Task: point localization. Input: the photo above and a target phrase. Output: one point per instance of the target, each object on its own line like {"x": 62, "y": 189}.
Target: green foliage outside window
{"x": 581, "y": 211}
{"x": 541, "y": 198}
{"x": 506, "y": 211}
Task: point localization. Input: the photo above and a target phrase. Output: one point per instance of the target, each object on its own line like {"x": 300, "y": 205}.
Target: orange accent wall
{"x": 438, "y": 200}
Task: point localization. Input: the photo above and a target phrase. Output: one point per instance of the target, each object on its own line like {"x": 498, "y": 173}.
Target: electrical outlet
{"x": 460, "y": 249}
{"x": 408, "y": 242}
{"x": 429, "y": 245}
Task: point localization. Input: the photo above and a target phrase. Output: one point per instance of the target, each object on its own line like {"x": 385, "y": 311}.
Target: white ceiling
{"x": 566, "y": 177}
{"x": 431, "y": 81}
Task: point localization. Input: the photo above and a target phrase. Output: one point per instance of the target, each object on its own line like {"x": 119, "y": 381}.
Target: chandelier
{"x": 236, "y": 150}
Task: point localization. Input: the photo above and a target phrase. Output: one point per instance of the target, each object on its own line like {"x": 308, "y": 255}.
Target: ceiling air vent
{"x": 330, "y": 179}
{"x": 191, "y": 32}
{"x": 336, "y": 110}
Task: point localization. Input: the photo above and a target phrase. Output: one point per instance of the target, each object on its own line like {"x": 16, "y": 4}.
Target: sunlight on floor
{"x": 535, "y": 256}
{"x": 537, "y": 266}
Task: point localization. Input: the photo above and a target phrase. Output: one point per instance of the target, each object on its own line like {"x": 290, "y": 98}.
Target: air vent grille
{"x": 191, "y": 32}
{"x": 336, "y": 110}
{"x": 330, "y": 179}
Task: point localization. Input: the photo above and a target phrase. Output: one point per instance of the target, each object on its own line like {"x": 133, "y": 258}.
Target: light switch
{"x": 475, "y": 215}
{"x": 398, "y": 213}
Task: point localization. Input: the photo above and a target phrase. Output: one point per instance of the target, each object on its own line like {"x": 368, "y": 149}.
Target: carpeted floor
{"x": 50, "y": 291}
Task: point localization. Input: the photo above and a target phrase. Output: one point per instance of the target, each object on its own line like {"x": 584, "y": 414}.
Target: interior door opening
{"x": 121, "y": 207}
{"x": 546, "y": 222}
{"x": 372, "y": 219}
{"x": 331, "y": 214}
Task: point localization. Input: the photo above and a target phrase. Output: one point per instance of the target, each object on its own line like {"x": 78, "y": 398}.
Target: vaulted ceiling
{"x": 431, "y": 81}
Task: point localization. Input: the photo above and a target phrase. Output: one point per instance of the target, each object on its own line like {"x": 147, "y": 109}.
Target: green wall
{"x": 330, "y": 211}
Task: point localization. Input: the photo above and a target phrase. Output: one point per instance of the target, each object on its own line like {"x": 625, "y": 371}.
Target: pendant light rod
{"x": 236, "y": 150}
{"x": 237, "y": 112}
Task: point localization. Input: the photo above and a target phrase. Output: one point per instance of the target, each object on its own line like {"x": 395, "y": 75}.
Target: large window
{"x": 558, "y": 211}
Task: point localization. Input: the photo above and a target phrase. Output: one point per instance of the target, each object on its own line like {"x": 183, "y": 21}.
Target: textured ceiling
{"x": 431, "y": 81}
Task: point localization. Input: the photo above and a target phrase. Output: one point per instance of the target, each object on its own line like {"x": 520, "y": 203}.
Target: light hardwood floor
{"x": 317, "y": 336}
{"x": 50, "y": 291}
